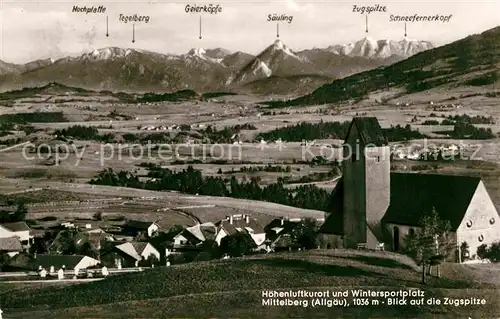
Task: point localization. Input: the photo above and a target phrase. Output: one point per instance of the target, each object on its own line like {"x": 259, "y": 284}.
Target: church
{"x": 374, "y": 206}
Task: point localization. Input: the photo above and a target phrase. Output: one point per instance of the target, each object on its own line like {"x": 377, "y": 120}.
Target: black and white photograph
{"x": 249, "y": 159}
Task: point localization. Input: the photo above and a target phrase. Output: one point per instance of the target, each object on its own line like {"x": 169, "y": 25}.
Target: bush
{"x": 491, "y": 253}
{"x": 464, "y": 251}
{"x": 482, "y": 251}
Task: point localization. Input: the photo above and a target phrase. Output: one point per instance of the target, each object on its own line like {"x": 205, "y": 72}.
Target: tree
{"x": 305, "y": 234}
{"x": 211, "y": 248}
{"x": 98, "y": 216}
{"x": 236, "y": 245}
{"x": 20, "y": 213}
{"x": 482, "y": 251}
{"x": 491, "y": 253}
{"x": 87, "y": 250}
{"x": 64, "y": 243}
{"x": 4, "y": 259}
{"x": 464, "y": 251}
{"x": 431, "y": 244}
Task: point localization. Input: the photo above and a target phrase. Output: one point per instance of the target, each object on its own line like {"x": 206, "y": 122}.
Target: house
{"x": 79, "y": 238}
{"x": 10, "y": 245}
{"x": 241, "y": 223}
{"x": 135, "y": 227}
{"x": 279, "y": 233}
{"x": 54, "y": 262}
{"x": 95, "y": 239}
{"x": 193, "y": 236}
{"x": 130, "y": 254}
{"x": 19, "y": 229}
{"x": 372, "y": 206}
{"x": 88, "y": 227}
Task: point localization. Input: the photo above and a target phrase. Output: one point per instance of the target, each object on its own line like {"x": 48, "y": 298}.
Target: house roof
{"x": 192, "y": 238}
{"x": 138, "y": 224}
{"x": 276, "y": 229}
{"x": 240, "y": 223}
{"x": 369, "y": 130}
{"x": 139, "y": 246}
{"x": 17, "y": 226}
{"x": 10, "y": 244}
{"x": 413, "y": 195}
{"x": 130, "y": 250}
{"x": 133, "y": 249}
{"x": 46, "y": 261}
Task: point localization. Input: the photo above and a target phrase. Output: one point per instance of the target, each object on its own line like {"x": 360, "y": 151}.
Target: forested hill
{"x": 472, "y": 61}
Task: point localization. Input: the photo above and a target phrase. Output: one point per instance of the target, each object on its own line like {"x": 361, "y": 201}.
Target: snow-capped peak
{"x": 406, "y": 39}
{"x": 371, "y": 48}
{"x": 279, "y": 45}
{"x": 368, "y": 39}
{"x": 106, "y": 54}
{"x": 199, "y": 52}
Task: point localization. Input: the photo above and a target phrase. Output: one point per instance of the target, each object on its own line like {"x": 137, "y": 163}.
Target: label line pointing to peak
{"x": 277, "y": 30}
{"x": 107, "y": 27}
{"x": 133, "y": 33}
{"x": 200, "y": 27}
{"x": 366, "y": 23}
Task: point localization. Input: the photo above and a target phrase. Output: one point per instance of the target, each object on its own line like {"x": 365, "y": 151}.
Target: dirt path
{"x": 312, "y": 183}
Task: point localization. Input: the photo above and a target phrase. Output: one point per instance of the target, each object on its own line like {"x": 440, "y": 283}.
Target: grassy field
{"x": 233, "y": 288}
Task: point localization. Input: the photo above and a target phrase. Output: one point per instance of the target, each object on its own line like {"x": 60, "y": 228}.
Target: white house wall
{"x": 23, "y": 235}
{"x": 87, "y": 262}
{"x": 259, "y": 239}
{"x": 221, "y": 234}
{"x": 5, "y": 233}
{"x": 150, "y": 250}
{"x": 480, "y": 213}
{"x": 180, "y": 241}
{"x": 152, "y": 229}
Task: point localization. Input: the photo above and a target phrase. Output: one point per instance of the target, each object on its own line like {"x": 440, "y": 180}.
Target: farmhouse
{"x": 372, "y": 206}
{"x": 10, "y": 245}
{"x": 194, "y": 235}
{"x": 135, "y": 227}
{"x": 244, "y": 224}
{"x": 278, "y": 233}
{"x": 129, "y": 254}
{"x": 17, "y": 229}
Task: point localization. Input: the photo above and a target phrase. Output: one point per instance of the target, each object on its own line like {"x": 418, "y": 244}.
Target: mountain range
{"x": 277, "y": 69}
{"x": 470, "y": 62}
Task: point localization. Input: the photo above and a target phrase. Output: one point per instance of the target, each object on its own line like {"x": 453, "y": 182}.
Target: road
{"x": 313, "y": 183}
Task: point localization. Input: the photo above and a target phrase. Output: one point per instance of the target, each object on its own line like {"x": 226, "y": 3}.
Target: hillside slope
{"x": 472, "y": 61}
{"x": 233, "y": 288}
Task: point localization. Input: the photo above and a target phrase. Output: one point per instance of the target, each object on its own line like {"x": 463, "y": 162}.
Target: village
{"x": 82, "y": 249}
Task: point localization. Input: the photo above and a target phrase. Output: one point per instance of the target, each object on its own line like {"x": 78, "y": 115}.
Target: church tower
{"x": 366, "y": 178}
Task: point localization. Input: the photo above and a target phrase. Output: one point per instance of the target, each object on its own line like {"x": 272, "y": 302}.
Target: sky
{"x": 33, "y": 30}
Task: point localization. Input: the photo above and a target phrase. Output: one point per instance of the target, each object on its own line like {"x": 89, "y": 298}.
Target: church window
{"x": 469, "y": 223}
{"x": 411, "y": 231}
{"x": 377, "y": 159}
{"x": 492, "y": 221}
{"x": 480, "y": 238}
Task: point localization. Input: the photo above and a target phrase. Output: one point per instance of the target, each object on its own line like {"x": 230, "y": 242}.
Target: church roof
{"x": 412, "y": 196}
{"x": 369, "y": 130}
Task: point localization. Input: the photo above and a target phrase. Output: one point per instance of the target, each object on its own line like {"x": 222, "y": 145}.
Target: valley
{"x": 140, "y": 183}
